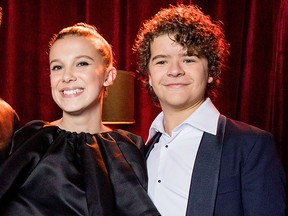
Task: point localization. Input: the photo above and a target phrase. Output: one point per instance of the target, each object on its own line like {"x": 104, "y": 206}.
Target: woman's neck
{"x": 88, "y": 124}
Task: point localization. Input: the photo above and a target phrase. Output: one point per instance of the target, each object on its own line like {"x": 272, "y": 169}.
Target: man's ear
{"x": 150, "y": 82}
{"x": 110, "y": 77}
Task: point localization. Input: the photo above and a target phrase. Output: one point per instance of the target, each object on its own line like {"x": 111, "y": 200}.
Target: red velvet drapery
{"x": 254, "y": 88}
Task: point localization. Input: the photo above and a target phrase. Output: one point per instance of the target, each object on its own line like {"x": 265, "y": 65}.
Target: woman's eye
{"x": 56, "y": 68}
{"x": 80, "y": 64}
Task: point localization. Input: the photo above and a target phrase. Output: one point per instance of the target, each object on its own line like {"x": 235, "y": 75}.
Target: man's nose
{"x": 175, "y": 70}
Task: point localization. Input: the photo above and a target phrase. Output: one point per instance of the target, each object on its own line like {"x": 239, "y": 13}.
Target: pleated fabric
{"x": 51, "y": 171}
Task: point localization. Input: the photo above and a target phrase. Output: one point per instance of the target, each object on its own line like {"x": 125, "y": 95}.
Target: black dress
{"x": 54, "y": 172}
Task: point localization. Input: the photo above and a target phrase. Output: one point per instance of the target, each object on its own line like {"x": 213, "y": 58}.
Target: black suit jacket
{"x": 236, "y": 173}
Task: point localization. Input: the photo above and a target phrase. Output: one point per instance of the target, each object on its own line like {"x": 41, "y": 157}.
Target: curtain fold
{"x": 254, "y": 88}
{"x": 278, "y": 122}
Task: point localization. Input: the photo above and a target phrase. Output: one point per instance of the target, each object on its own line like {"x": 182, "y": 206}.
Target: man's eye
{"x": 80, "y": 64}
{"x": 160, "y": 62}
{"x": 56, "y": 68}
{"x": 188, "y": 60}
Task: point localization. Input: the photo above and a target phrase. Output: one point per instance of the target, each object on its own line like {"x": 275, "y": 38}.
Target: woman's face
{"x": 77, "y": 74}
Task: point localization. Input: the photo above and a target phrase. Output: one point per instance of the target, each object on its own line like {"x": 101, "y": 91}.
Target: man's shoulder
{"x": 242, "y": 137}
{"x": 237, "y": 127}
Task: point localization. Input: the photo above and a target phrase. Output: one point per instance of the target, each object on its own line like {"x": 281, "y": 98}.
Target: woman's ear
{"x": 110, "y": 77}
{"x": 210, "y": 79}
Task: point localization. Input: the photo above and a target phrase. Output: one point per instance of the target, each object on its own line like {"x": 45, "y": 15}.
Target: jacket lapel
{"x": 205, "y": 174}
{"x": 150, "y": 144}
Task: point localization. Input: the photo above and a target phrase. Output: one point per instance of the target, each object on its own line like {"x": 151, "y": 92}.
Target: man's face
{"x": 178, "y": 80}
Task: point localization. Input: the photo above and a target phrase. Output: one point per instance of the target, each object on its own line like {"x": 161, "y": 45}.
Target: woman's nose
{"x": 68, "y": 75}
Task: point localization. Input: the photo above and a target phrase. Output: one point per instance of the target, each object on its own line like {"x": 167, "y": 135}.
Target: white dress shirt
{"x": 171, "y": 161}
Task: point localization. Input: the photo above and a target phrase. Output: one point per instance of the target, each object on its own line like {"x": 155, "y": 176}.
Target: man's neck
{"x": 174, "y": 117}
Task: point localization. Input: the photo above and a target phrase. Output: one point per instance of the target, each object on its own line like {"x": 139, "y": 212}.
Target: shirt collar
{"x": 204, "y": 118}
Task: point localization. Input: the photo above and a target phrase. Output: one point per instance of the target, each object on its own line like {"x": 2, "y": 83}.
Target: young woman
{"x": 76, "y": 165}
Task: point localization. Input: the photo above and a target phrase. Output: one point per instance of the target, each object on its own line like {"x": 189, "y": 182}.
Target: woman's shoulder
{"x": 128, "y": 137}
{"x": 127, "y": 133}
{"x": 30, "y": 127}
{"x": 26, "y": 132}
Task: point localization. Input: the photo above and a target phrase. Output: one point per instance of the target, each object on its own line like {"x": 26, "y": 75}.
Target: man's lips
{"x": 175, "y": 84}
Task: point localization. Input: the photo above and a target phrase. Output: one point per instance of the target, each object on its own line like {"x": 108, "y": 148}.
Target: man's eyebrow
{"x": 192, "y": 53}
{"x": 158, "y": 56}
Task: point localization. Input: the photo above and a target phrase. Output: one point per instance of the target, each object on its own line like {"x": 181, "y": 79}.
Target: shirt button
{"x": 159, "y": 181}
{"x": 166, "y": 146}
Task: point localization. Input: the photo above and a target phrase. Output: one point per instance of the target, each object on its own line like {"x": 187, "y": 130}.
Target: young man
{"x": 201, "y": 163}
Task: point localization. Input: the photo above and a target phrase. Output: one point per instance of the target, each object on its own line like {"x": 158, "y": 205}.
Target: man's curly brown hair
{"x": 192, "y": 29}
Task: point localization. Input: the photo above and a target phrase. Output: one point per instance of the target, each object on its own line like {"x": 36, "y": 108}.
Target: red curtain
{"x": 254, "y": 88}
